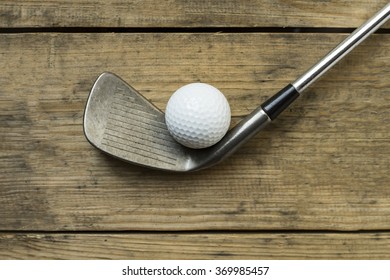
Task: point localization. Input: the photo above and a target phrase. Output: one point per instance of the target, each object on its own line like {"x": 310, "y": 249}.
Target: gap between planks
{"x": 319, "y": 30}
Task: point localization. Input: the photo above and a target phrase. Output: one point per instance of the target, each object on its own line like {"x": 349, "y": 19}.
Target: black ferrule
{"x": 280, "y": 101}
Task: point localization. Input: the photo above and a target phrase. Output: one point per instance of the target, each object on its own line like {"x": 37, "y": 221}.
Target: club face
{"x": 122, "y": 123}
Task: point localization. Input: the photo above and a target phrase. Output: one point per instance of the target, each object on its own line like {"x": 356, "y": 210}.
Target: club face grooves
{"x": 122, "y": 123}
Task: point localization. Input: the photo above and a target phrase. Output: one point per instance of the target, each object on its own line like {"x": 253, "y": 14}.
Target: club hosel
{"x": 280, "y": 101}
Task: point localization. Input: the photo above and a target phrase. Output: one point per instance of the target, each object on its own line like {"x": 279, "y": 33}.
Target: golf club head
{"x": 122, "y": 123}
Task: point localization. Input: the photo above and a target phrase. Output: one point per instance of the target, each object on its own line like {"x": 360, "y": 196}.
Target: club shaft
{"x": 353, "y": 40}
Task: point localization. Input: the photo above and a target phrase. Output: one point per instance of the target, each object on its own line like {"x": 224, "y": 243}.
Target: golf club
{"x": 122, "y": 123}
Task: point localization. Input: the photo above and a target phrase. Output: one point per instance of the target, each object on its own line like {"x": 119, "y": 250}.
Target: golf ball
{"x": 197, "y": 115}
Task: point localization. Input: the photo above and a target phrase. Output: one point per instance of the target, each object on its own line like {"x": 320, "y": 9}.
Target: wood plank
{"x": 185, "y": 13}
{"x": 323, "y": 165}
{"x": 195, "y": 246}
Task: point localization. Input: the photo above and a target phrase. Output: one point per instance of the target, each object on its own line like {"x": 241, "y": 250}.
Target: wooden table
{"x": 314, "y": 184}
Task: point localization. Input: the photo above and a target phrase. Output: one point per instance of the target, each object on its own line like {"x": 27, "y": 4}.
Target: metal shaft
{"x": 342, "y": 49}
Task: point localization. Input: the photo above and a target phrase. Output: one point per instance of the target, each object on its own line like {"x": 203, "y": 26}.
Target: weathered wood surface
{"x": 195, "y": 246}
{"x": 186, "y": 13}
{"x": 324, "y": 165}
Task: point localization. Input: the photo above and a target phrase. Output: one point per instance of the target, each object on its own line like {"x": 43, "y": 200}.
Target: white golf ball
{"x": 197, "y": 115}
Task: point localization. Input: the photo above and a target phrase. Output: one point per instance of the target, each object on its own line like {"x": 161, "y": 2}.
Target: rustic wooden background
{"x": 314, "y": 184}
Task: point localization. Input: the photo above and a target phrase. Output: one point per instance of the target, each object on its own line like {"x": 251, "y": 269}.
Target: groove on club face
{"x": 122, "y": 123}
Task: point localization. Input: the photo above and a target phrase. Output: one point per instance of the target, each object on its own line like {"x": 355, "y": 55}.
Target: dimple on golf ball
{"x": 197, "y": 115}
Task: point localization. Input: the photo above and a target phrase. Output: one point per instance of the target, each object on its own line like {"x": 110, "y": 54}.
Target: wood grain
{"x": 186, "y": 13}
{"x": 195, "y": 246}
{"x": 324, "y": 165}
